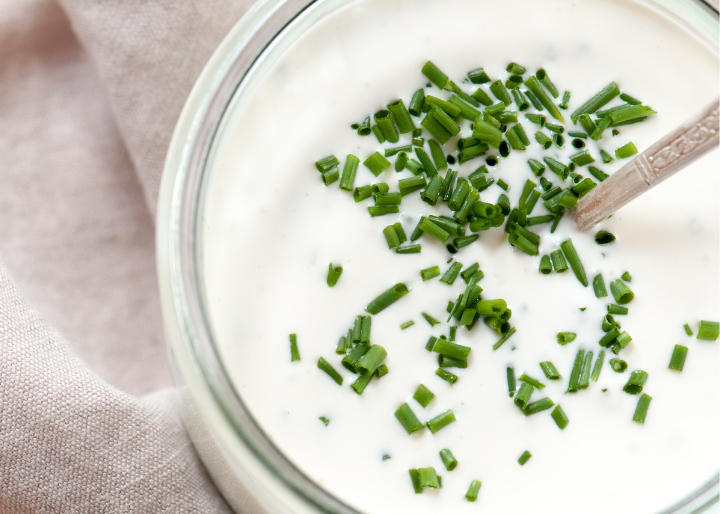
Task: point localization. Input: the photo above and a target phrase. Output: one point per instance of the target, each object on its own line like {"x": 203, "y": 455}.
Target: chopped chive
{"x": 564, "y": 338}
{"x": 565, "y": 100}
{"x": 415, "y": 479}
{"x": 446, "y": 375}
{"x": 626, "y": 277}
{"x": 333, "y": 274}
{"x": 330, "y": 176}
{"x": 432, "y": 124}
{"x": 559, "y": 141}
{"x": 441, "y": 421}
{"x": 491, "y": 307}
{"x": 558, "y": 217}
{"x": 411, "y": 184}
{"x": 550, "y": 370}
{"x": 514, "y": 140}
{"x": 401, "y": 161}
{"x": 363, "y": 129}
{"x": 621, "y": 292}
{"x": 357, "y": 329}
{"x": 372, "y": 360}
{"x": 478, "y": 76}
{"x": 427, "y": 164}
{"x": 378, "y": 134}
{"x": 450, "y": 349}
{"x": 504, "y": 338}
{"x": 677, "y": 361}
{"x": 416, "y": 102}
{"x": 709, "y": 330}
{"x": 609, "y": 337}
{"x": 448, "y": 185}
{"x": 431, "y": 228}
{"x": 448, "y": 459}
{"x": 583, "y": 187}
{"x": 531, "y": 381}
{"x": 432, "y": 192}
{"x": 538, "y": 119}
{"x": 569, "y": 250}
{"x": 599, "y": 286}
{"x": 487, "y": 133}
{"x": 626, "y": 151}
{"x": 688, "y": 330}
{"x": 593, "y": 104}
{"x": 502, "y": 184}
{"x": 536, "y": 167}
{"x": 401, "y": 116}
{"x": 584, "y": 379}
{"x": 407, "y": 419}
{"x": 557, "y": 129}
{"x": 376, "y": 163}
{"x": 498, "y": 89}
{"x": 429, "y": 319}
{"x": 545, "y": 81}
{"x": 463, "y": 96}
{"x": 618, "y": 366}
{"x": 558, "y": 261}
{"x": 387, "y": 298}
{"x": 511, "y": 381}
{"x": 382, "y": 210}
{"x": 600, "y": 128}
{"x": 407, "y": 324}
{"x": 636, "y": 382}
{"x": 436, "y": 76}
{"x": 423, "y": 395}
{"x": 561, "y": 420}
{"x": 453, "y": 332}
{"x": 545, "y": 183}
{"x": 557, "y": 167}
{"x": 393, "y": 241}
{"x": 533, "y": 85}
{"x": 543, "y": 140}
{"x": 606, "y": 157}
{"x": 437, "y": 155}
{"x": 545, "y": 265}
{"x": 534, "y": 100}
{"x": 451, "y": 274}
{"x": 616, "y": 309}
{"x": 473, "y": 490}
{"x": 327, "y": 368}
{"x": 384, "y": 120}
{"x": 523, "y": 395}
{"x": 348, "y": 175}
{"x": 429, "y": 273}
{"x": 538, "y": 406}
{"x": 597, "y": 173}
{"x": 431, "y": 343}
{"x": 341, "y": 348}
{"x": 576, "y": 370}
{"x": 524, "y": 458}
{"x": 327, "y": 163}
{"x": 294, "y": 352}
{"x": 579, "y": 143}
{"x": 629, "y": 114}
{"x": 520, "y": 99}
{"x": 324, "y": 420}
{"x": 582, "y": 158}
{"x": 608, "y": 322}
{"x": 389, "y": 152}
{"x": 515, "y": 68}
{"x": 603, "y": 237}
{"x": 642, "y": 408}
{"x": 587, "y": 123}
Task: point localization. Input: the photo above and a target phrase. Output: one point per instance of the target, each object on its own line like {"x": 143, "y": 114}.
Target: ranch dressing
{"x": 271, "y": 229}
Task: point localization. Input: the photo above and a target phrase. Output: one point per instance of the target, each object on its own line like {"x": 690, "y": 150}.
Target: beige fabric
{"x": 89, "y": 94}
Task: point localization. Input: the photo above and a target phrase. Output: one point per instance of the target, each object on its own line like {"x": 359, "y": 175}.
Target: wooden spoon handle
{"x": 669, "y": 155}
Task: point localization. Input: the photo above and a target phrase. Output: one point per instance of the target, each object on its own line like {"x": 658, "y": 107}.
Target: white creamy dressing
{"x": 272, "y": 228}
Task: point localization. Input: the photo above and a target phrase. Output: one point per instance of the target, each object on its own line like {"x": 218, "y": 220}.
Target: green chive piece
{"x": 636, "y": 382}
{"x": 534, "y": 100}
{"x": 531, "y": 381}
{"x": 431, "y": 343}
{"x": 372, "y": 360}
{"x": 584, "y": 187}
{"x": 408, "y": 185}
{"x": 587, "y": 123}
{"x": 441, "y": 421}
{"x": 473, "y": 491}
{"x": 538, "y": 406}
{"x": 621, "y": 292}
{"x": 598, "y": 367}
{"x": 538, "y": 119}
{"x": 524, "y": 458}
{"x": 609, "y": 322}
{"x": 416, "y": 102}
{"x": 609, "y": 337}
{"x": 561, "y": 420}
{"x": 478, "y": 76}
{"x": 348, "y": 175}
{"x": 550, "y": 370}
{"x": 446, "y": 375}
{"x": 432, "y": 123}
{"x": 515, "y": 68}
{"x": 427, "y": 164}
{"x": 597, "y": 173}
{"x": 618, "y": 366}
{"x": 436, "y": 76}
{"x": 628, "y": 114}
{"x": 448, "y": 459}
{"x": 327, "y": 163}
{"x": 557, "y": 167}
{"x": 294, "y": 352}
{"x": 407, "y": 419}
{"x": 545, "y": 265}
{"x": 546, "y": 184}
{"x": 677, "y": 361}
{"x": 626, "y": 151}
{"x": 408, "y": 249}
{"x": 327, "y": 368}
{"x": 502, "y": 184}
{"x": 429, "y": 319}
{"x": 452, "y": 350}
{"x": 364, "y": 128}
{"x": 324, "y": 420}
{"x": 582, "y": 158}
{"x": 387, "y": 126}
{"x": 558, "y": 217}
{"x": 423, "y": 395}
{"x": 709, "y": 330}
{"x": 626, "y": 277}
{"x": 569, "y": 250}
{"x": 361, "y": 193}
{"x": 606, "y": 157}
{"x": 629, "y": 99}
{"x": 565, "y": 100}
{"x": 504, "y": 338}
{"x": 415, "y": 478}
{"x": 376, "y": 163}
{"x": 557, "y": 129}
{"x": 599, "y": 286}
{"x": 536, "y": 167}
{"x": 603, "y": 237}
{"x": 341, "y": 348}
{"x": 533, "y": 85}
{"x": 429, "y": 273}
{"x": 545, "y": 81}
{"x": 523, "y": 395}
{"x": 491, "y": 307}
{"x": 577, "y": 369}
{"x": 498, "y": 89}
{"x": 437, "y": 155}
{"x": 642, "y": 408}
{"x": 688, "y": 330}
{"x": 387, "y": 298}
{"x": 401, "y": 116}
{"x": 543, "y": 140}
{"x": 452, "y": 273}
{"x": 333, "y": 274}
{"x": 431, "y": 228}
{"x": 616, "y": 309}
{"x": 514, "y": 140}
{"x": 564, "y": 338}
{"x": 487, "y": 133}
{"x": 393, "y": 241}
{"x": 389, "y": 152}
{"x": 330, "y": 176}
{"x": 598, "y": 132}
{"x": 378, "y": 134}
{"x": 382, "y": 210}
{"x": 511, "y": 381}
{"x": 558, "y": 261}
{"x": 596, "y": 102}
{"x": 584, "y": 379}
{"x": 407, "y": 324}
{"x": 520, "y": 99}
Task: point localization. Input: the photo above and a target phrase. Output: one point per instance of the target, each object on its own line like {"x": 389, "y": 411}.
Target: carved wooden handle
{"x": 663, "y": 159}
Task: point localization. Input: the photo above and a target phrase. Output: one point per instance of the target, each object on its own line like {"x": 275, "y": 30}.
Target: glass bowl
{"x": 252, "y": 474}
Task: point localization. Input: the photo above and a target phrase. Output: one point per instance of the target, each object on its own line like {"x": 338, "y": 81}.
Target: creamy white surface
{"x": 271, "y": 228}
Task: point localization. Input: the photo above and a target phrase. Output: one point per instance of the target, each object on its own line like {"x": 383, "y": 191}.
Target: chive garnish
{"x": 565, "y": 100}
{"x": 407, "y": 324}
{"x": 436, "y": 76}
{"x": 557, "y": 167}
{"x": 608, "y": 322}
{"x": 416, "y": 102}
{"x": 688, "y": 330}
{"x": 609, "y": 337}
{"x": 564, "y": 338}
{"x": 446, "y": 375}
{"x": 387, "y": 298}
{"x": 473, "y": 491}
{"x": 341, "y": 348}
{"x": 621, "y": 292}
{"x": 593, "y": 104}
{"x": 598, "y": 367}
{"x": 558, "y": 261}
{"x": 376, "y": 163}
{"x": 423, "y": 395}
{"x": 391, "y": 237}
{"x": 545, "y": 264}
{"x": 520, "y": 99}
{"x": 709, "y": 330}
{"x": 616, "y": 309}
{"x": 401, "y": 116}
{"x": 531, "y": 381}
{"x": 407, "y": 419}
{"x": 677, "y": 361}
{"x": 372, "y": 360}
{"x": 524, "y": 458}
{"x": 603, "y": 237}
{"x": 448, "y": 459}
{"x": 618, "y": 365}
{"x": 543, "y": 140}
{"x": 348, "y": 175}
{"x": 294, "y": 352}
{"x": 538, "y": 406}
{"x": 384, "y": 120}
{"x": 599, "y": 175}
{"x": 429, "y": 273}
{"x": 558, "y": 217}
{"x": 579, "y": 143}
{"x": 534, "y": 86}
{"x": 452, "y": 273}
{"x": 327, "y": 163}
{"x": 504, "y": 338}
{"x": 584, "y": 379}
{"x": 427, "y": 164}
{"x": 599, "y": 286}
{"x": 636, "y": 382}
{"x": 569, "y": 250}
{"x": 498, "y": 89}
{"x": 626, "y": 151}
{"x": 324, "y": 420}
{"x": 429, "y": 319}
{"x": 415, "y": 479}
{"x": 363, "y": 128}
{"x": 408, "y": 185}
{"x": 523, "y": 395}
{"x": 600, "y": 128}
{"x": 441, "y": 421}
{"x": 550, "y": 371}
{"x": 511, "y": 381}
{"x": 327, "y": 368}
{"x": 642, "y": 408}
{"x": 561, "y": 420}
{"x": 626, "y": 276}
{"x": 452, "y": 350}
{"x": 575, "y": 374}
